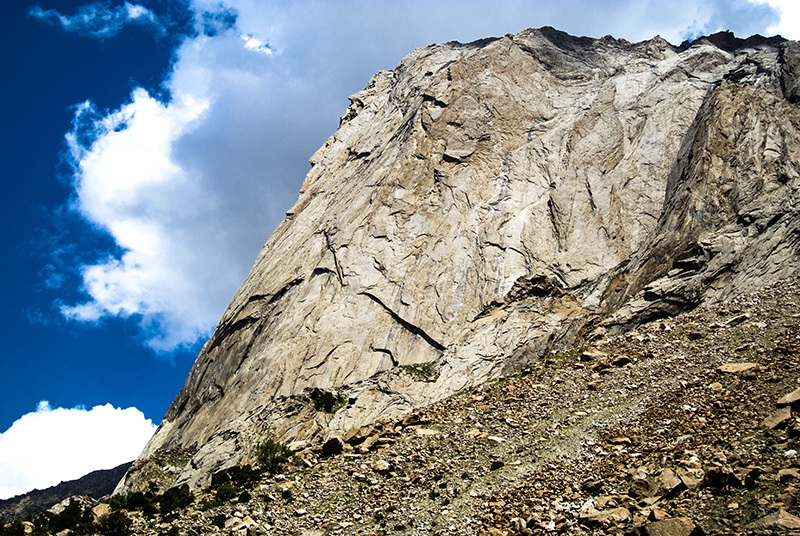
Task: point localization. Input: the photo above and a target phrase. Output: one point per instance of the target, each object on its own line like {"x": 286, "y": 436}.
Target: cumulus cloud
{"x": 51, "y": 445}
{"x": 99, "y": 19}
{"x": 127, "y": 183}
{"x": 190, "y": 187}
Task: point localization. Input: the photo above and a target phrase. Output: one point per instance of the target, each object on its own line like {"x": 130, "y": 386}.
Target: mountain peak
{"x": 484, "y": 206}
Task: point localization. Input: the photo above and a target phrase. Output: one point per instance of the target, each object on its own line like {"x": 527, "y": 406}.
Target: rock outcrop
{"x": 484, "y": 205}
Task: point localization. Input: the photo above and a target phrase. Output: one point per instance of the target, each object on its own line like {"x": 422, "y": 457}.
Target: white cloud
{"x": 789, "y": 24}
{"x": 127, "y": 183}
{"x": 100, "y": 19}
{"x": 255, "y": 44}
{"x": 191, "y": 188}
{"x": 49, "y": 445}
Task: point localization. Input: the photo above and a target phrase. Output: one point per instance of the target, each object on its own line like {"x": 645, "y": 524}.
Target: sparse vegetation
{"x": 332, "y": 447}
{"x": 272, "y": 456}
{"x": 326, "y": 401}
{"x": 175, "y": 498}
{"x": 422, "y": 372}
{"x": 114, "y": 524}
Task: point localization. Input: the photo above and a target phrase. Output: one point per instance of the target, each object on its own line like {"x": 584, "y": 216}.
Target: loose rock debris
{"x": 673, "y": 429}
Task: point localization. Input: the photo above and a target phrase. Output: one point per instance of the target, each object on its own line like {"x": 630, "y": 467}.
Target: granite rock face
{"x": 483, "y": 205}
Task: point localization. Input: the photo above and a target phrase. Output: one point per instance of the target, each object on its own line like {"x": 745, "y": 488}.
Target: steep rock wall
{"x": 483, "y": 205}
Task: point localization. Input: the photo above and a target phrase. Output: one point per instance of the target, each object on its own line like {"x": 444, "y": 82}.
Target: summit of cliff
{"x": 484, "y": 206}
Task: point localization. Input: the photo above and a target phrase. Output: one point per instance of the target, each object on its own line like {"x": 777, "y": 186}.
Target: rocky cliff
{"x": 484, "y": 205}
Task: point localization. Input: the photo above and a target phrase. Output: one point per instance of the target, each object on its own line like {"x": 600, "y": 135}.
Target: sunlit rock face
{"x": 483, "y": 205}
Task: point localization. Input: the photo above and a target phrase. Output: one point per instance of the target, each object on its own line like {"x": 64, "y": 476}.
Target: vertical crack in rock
{"x": 416, "y": 330}
{"x": 329, "y": 245}
{"x": 556, "y": 217}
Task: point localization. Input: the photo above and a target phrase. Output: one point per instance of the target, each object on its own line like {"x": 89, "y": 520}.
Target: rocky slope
{"x": 683, "y": 427}
{"x": 483, "y": 206}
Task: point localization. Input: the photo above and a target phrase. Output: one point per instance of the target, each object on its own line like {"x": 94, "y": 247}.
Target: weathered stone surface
{"x": 790, "y": 398}
{"x": 601, "y": 517}
{"x": 676, "y": 526}
{"x": 778, "y": 418}
{"x": 780, "y": 520}
{"x": 667, "y": 483}
{"x": 736, "y": 368}
{"x": 484, "y": 205}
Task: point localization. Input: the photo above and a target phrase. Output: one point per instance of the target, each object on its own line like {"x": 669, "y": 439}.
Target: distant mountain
{"x": 96, "y": 484}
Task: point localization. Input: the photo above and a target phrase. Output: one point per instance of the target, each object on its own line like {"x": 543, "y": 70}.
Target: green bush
{"x": 326, "y": 401}
{"x": 219, "y": 520}
{"x": 240, "y": 476}
{"x": 114, "y": 524}
{"x": 14, "y": 529}
{"x": 135, "y": 500}
{"x": 225, "y": 493}
{"x": 175, "y": 498}
{"x": 74, "y": 517}
{"x": 332, "y": 447}
{"x": 271, "y": 455}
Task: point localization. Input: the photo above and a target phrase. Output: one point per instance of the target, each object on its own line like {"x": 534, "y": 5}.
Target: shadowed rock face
{"x": 483, "y": 205}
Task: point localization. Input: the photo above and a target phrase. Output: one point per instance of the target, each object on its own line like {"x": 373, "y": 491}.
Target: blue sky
{"x": 151, "y": 146}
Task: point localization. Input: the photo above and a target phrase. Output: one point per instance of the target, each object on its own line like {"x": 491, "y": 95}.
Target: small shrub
{"x": 14, "y": 529}
{"x": 332, "y": 447}
{"x": 497, "y": 464}
{"x": 240, "y": 476}
{"x": 137, "y": 500}
{"x": 326, "y": 401}
{"x": 74, "y": 517}
{"x": 244, "y": 497}
{"x": 271, "y": 455}
{"x": 219, "y": 520}
{"x": 114, "y": 524}
{"x": 117, "y": 502}
{"x": 175, "y": 498}
{"x": 225, "y": 493}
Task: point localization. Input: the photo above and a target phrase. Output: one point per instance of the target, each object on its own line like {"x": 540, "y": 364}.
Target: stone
{"x": 737, "y": 368}
{"x": 780, "y": 417}
{"x": 602, "y": 517}
{"x": 790, "y": 399}
{"x": 667, "y": 483}
{"x": 676, "y": 526}
{"x": 691, "y": 478}
{"x": 381, "y": 466}
{"x": 787, "y": 475}
{"x": 657, "y": 514}
{"x": 296, "y": 446}
{"x": 100, "y": 510}
{"x": 480, "y": 204}
{"x": 780, "y": 520}
{"x": 592, "y": 354}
